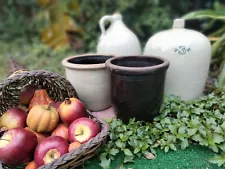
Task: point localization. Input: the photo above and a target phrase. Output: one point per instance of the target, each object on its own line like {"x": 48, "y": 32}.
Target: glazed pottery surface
{"x": 118, "y": 39}
{"x": 88, "y": 74}
{"x": 137, "y": 86}
{"x": 189, "y": 54}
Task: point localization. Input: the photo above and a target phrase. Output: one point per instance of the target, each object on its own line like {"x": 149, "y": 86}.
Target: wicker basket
{"x": 58, "y": 88}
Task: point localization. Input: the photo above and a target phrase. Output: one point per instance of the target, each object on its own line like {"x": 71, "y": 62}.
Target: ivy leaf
{"x": 198, "y": 111}
{"x": 211, "y": 121}
{"x": 129, "y": 133}
{"x": 173, "y": 129}
{"x": 158, "y": 125}
{"x": 166, "y": 120}
{"x": 218, "y": 138}
{"x": 172, "y": 146}
{"x": 185, "y": 114}
{"x": 195, "y": 122}
{"x": 132, "y": 121}
{"x": 223, "y": 126}
{"x": 120, "y": 144}
{"x": 137, "y": 150}
{"x": 149, "y": 141}
{"x": 113, "y": 151}
{"x": 123, "y": 137}
{"x": 128, "y": 159}
{"x": 214, "y": 148}
{"x": 114, "y": 124}
{"x": 191, "y": 132}
{"x": 218, "y": 159}
{"x": 202, "y": 131}
{"x": 155, "y": 131}
{"x": 184, "y": 144}
{"x": 132, "y": 143}
{"x": 139, "y": 132}
{"x": 139, "y": 154}
{"x": 152, "y": 150}
{"x": 218, "y": 129}
{"x": 222, "y": 147}
{"x": 204, "y": 142}
{"x": 182, "y": 130}
{"x": 218, "y": 114}
{"x": 105, "y": 163}
{"x": 127, "y": 152}
{"x": 166, "y": 149}
{"x": 171, "y": 138}
{"x": 197, "y": 138}
{"x": 144, "y": 147}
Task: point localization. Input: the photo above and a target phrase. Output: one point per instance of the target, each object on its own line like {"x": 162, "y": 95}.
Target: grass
{"x": 34, "y": 56}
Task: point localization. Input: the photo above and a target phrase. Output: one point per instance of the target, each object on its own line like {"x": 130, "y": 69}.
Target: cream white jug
{"x": 117, "y": 39}
{"x": 189, "y": 53}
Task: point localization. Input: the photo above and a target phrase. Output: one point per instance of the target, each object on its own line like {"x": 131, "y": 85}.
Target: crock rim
{"x": 66, "y": 64}
{"x": 162, "y": 66}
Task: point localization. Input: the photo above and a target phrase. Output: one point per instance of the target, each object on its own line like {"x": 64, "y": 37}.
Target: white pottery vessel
{"x": 88, "y": 75}
{"x": 117, "y": 39}
{"x": 189, "y": 54}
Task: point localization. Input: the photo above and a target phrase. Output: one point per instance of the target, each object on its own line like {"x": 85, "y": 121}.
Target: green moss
{"x": 194, "y": 156}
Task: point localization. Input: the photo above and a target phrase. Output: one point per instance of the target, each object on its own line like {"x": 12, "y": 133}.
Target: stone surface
{"x": 105, "y": 114}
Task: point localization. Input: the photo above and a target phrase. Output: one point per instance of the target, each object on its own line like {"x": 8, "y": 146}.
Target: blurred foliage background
{"x": 40, "y": 33}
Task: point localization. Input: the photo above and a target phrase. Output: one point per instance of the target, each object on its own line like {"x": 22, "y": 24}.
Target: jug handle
{"x": 102, "y": 22}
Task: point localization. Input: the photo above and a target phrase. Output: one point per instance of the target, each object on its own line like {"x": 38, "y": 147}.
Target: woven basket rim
{"x": 22, "y": 73}
{"x": 34, "y": 77}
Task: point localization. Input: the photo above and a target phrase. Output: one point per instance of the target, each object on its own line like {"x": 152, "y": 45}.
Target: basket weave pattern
{"x": 58, "y": 88}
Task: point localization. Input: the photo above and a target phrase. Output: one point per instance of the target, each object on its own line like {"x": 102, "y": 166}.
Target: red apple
{"x": 14, "y": 117}
{"x": 17, "y": 147}
{"x": 31, "y": 165}
{"x": 50, "y": 149}
{"x": 26, "y": 94}
{"x": 74, "y": 145}
{"x": 61, "y": 130}
{"x": 83, "y": 129}
{"x": 71, "y": 109}
{"x": 24, "y": 107}
{"x": 56, "y": 105}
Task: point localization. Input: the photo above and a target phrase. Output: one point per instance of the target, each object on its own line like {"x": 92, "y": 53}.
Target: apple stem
{"x": 67, "y": 101}
{"x": 4, "y": 139}
{"x": 51, "y": 155}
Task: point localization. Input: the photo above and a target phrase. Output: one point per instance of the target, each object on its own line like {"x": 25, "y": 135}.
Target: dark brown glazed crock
{"x": 137, "y": 86}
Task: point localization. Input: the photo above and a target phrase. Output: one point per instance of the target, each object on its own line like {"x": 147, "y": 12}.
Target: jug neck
{"x": 178, "y": 24}
{"x": 115, "y": 19}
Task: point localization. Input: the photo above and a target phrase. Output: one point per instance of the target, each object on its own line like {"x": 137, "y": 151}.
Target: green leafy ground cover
{"x": 179, "y": 125}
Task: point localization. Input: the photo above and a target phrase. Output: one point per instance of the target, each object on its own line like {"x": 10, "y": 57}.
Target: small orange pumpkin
{"x": 42, "y": 118}
{"x": 40, "y": 97}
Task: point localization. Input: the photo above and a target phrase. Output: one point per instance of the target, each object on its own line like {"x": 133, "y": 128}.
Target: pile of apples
{"x": 44, "y": 131}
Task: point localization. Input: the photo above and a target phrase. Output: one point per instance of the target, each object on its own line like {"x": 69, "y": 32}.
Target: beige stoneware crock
{"x": 88, "y": 75}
